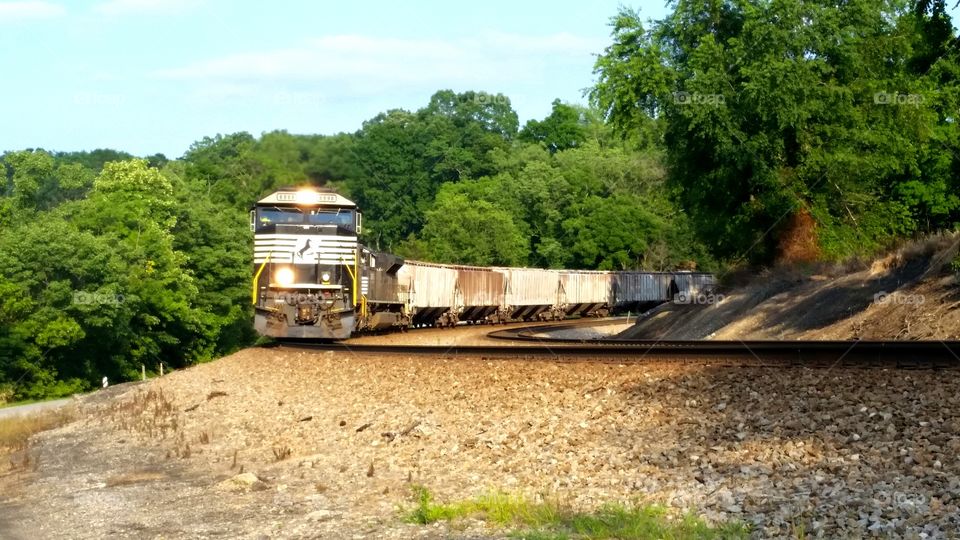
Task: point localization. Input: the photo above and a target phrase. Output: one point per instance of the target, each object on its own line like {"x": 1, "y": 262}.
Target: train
{"x": 314, "y": 279}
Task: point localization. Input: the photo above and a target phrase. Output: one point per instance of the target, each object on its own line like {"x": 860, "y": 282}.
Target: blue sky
{"x": 149, "y": 76}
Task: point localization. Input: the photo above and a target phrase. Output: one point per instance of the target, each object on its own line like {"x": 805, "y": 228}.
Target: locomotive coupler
{"x": 307, "y": 313}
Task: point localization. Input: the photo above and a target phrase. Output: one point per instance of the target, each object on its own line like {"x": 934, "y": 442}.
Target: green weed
{"x": 552, "y": 520}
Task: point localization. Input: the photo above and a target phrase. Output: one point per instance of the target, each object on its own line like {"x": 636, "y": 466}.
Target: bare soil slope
{"x": 329, "y": 446}
{"x": 909, "y": 294}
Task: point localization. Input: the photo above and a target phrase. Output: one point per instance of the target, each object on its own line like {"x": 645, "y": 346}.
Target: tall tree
{"x": 774, "y": 109}
{"x": 452, "y": 235}
{"x": 564, "y": 128}
{"x": 404, "y": 158}
{"x": 227, "y": 168}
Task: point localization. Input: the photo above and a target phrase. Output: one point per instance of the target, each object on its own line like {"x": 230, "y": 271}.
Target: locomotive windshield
{"x": 275, "y": 215}
{"x": 268, "y": 216}
{"x": 331, "y": 216}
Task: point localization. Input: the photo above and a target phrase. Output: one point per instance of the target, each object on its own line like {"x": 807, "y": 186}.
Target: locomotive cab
{"x": 306, "y": 269}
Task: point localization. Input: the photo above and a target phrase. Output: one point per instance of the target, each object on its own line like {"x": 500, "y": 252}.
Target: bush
{"x": 15, "y": 431}
{"x": 553, "y": 519}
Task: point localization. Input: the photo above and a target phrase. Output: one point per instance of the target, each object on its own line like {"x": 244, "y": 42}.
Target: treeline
{"x": 796, "y": 130}
{"x": 107, "y": 265}
{"x": 109, "y": 262}
{"x": 728, "y": 132}
{"x": 458, "y": 181}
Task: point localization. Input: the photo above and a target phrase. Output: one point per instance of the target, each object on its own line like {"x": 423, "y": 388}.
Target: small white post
{"x": 161, "y": 369}
{"x": 143, "y": 372}
{"x": 106, "y": 383}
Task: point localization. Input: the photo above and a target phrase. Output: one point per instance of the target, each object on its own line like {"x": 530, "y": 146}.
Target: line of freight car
{"x": 472, "y": 293}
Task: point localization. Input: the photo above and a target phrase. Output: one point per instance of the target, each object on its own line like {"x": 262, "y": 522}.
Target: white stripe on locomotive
{"x": 305, "y": 248}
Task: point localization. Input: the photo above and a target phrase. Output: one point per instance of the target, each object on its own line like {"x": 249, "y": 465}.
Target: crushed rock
{"x": 840, "y": 452}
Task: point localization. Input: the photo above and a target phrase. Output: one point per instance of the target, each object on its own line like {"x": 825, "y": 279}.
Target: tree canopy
{"x": 730, "y": 130}
{"x": 769, "y": 109}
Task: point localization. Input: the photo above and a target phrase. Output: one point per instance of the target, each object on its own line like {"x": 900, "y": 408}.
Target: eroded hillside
{"x": 910, "y": 294}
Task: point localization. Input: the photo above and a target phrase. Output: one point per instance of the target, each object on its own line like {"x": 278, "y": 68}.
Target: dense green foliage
{"x": 128, "y": 269}
{"x": 109, "y": 263}
{"x": 731, "y": 129}
{"x": 843, "y": 111}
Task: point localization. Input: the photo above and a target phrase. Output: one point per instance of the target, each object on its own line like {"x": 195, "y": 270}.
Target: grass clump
{"x": 6, "y": 395}
{"x": 555, "y": 521}
{"x": 15, "y": 431}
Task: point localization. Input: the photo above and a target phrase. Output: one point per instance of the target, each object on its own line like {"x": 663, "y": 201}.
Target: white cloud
{"x": 31, "y": 9}
{"x": 127, "y": 7}
{"x": 352, "y": 64}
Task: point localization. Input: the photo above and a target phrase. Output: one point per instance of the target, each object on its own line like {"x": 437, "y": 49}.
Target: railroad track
{"x": 812, "y": 354}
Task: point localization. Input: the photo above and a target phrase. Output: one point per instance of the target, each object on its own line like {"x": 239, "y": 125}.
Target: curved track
{"x": 530, "y": 343}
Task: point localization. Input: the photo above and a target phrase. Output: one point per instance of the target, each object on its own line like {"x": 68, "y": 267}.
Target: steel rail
{"x": 873, "y": 354}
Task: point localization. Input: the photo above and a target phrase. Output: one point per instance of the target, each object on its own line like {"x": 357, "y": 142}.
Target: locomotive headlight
{"x": 325, "y": 277}
{"x": 307, "y": 196}
{"x": 284, "y": 276}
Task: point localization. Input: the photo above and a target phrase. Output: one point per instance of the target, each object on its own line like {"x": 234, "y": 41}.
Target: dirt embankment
{"x": 284, "y": 443}
{"x": 910, "y": 294}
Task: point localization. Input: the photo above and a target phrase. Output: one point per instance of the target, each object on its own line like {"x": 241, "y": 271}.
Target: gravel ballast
{"x": 335, "y": 442}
